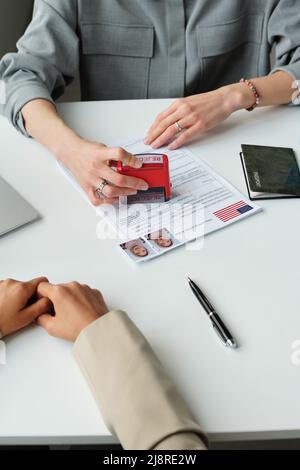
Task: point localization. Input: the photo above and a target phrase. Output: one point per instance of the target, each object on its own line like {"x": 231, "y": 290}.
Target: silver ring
{"x": 99, "y": 189}
{"x": 178, "y": 127}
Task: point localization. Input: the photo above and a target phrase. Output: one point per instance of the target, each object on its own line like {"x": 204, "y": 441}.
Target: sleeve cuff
{"x": 294, "y": 72}
{"x": 20, "y": 98}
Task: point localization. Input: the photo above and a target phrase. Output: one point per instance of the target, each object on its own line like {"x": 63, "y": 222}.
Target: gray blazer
{"x": 132, "y": 49}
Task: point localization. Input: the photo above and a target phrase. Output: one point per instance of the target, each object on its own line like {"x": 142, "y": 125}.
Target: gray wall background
{"x": 15, "y": 15}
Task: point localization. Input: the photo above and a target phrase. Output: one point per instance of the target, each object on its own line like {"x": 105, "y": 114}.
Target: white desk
{"x": 250, "y": 271}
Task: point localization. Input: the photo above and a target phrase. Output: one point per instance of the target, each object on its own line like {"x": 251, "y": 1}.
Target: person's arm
{"x": 199, "y": 113}
{"x": 18, "y": 307}
{"x": 46, "y": 62}
{"x": 139, "y": 402}
{"x": 275, "y": 89}
{"x": 88, "y": 161}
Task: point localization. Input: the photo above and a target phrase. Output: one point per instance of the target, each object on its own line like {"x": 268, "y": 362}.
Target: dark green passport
{"x": 270, "y": 172}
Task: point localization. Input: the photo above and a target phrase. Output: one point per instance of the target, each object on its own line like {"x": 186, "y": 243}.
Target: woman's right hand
{"x": 75, "y": 307}
{"x": 89, "y": 162}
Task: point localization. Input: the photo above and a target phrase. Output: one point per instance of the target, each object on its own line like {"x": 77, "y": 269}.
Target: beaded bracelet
{"x": 254, "y": 91}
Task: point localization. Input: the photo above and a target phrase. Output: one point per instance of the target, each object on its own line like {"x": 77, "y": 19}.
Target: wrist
{"x": 88, "y": 321}
{"x": 66, "y": 142}
{"x": 237, "y": 96}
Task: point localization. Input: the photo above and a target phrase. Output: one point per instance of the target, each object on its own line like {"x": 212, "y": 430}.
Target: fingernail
{"x": 138, "y": 163}
{"x": 144, "y": 187}
{"x": 133, "y": 193}
{"x": 155, "y": 145}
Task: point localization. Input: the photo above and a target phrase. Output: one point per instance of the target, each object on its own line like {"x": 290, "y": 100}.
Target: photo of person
{"x": 138, "y": 250}
{"x": 162, "y": 240}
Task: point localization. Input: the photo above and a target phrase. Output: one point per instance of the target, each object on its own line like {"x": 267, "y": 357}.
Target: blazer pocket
{"x": 119, "y": 40}
{"x": 219, "y": 39}
{"x": 229, "y": 51}
{"x": 116, "y": 60}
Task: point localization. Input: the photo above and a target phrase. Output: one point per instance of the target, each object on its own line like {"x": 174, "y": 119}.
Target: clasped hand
{"x": 63, "y": 310}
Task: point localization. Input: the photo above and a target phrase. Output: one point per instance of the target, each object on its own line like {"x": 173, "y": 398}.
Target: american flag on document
{"x": 233, "y": 211}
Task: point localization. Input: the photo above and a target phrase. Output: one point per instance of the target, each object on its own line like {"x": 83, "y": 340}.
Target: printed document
{"x": 202, "y": 202}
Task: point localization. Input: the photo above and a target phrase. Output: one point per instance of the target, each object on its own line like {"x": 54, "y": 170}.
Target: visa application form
{"x": 202, "y": 201}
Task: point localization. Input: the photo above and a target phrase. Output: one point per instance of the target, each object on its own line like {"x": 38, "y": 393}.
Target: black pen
{"x": 217, "y": 323}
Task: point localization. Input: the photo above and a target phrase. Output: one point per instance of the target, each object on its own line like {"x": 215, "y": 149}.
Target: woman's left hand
{"x": 195, "y": 114}
{"x": 18, "y": 307}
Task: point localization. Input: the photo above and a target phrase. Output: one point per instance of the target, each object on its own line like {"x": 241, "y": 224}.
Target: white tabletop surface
{"x": 250, "y": 271}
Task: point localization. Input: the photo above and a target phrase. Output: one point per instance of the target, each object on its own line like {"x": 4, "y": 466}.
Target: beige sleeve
{"x": 138, "y": 401}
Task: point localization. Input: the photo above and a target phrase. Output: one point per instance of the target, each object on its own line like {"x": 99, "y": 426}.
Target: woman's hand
{"x": 75, "y": 306}
{"x": 197, "y": 114}
{"x": 18, "y": 308}
{"x": 89, "y": 163}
